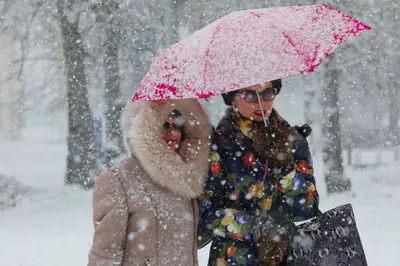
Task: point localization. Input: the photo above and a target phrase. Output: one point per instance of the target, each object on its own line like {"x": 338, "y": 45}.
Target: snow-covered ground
{"x": 54, "y": 227}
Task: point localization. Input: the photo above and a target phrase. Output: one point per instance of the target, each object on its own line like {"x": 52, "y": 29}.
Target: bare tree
{"x": 16, "y": 105}
{"x": 81, "y": 153}
{"x": 107, "y": 13}
{"x": 332, "y": 140}
{"x": 393, "y": 39}
{"x": 170, "y": 21}
{"x": 394, "y": 119}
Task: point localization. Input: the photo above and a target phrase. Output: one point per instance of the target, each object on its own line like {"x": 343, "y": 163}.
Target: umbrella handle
{"x": 265, "y": 170}
{"x": 262, "y": 111}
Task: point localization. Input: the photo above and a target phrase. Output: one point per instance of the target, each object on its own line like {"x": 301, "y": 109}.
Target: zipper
{"x": 194, "y": 201}
{"x": 149, "y": 262}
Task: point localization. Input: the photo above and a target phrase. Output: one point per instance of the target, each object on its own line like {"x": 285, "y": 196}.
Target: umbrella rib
{"x": 262, "y": 111}
{"x": 208, "y": 50}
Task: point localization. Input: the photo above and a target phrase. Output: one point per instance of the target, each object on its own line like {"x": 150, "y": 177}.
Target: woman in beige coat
{"x": 144, "y": 209}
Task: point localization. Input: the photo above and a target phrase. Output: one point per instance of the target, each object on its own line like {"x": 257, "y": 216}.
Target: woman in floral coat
{"x": 256, "y": 172}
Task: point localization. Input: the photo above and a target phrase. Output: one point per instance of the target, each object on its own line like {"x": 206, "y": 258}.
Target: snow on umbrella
{"x": 246, "y": 48}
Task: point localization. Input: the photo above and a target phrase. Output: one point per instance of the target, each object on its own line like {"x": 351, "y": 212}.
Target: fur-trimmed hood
{"x": 183, "y": 173}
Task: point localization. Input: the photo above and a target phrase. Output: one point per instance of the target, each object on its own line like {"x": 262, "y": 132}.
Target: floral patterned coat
{"x": 237, "y": 188}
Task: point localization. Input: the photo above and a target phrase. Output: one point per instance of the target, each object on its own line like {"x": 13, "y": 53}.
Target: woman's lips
{"x": 259, "y": 113}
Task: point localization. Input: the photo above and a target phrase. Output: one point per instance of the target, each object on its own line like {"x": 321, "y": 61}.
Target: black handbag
{"x": 330, "y": 239}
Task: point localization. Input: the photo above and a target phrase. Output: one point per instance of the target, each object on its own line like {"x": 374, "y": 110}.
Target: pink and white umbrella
{"x": 246, "y": 48}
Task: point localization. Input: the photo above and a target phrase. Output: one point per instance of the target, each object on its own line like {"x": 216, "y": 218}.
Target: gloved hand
{"x": 271, "y": 252}
{"x": 276, "y": 145}
{"x": 272, "y": 237}
{"x": 305, "y": 130}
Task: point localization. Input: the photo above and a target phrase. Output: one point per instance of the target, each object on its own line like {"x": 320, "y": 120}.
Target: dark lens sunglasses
{"x": 267, "y": 94}
{"x": 175, "y": 125}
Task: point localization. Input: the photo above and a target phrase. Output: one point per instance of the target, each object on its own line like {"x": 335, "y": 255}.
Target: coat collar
{"x": 184, "y": 173}
{"x": 233, "y": 121}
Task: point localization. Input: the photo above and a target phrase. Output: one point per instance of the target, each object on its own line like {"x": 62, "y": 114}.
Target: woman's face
{"x": 252, "y": 110}
{"x": 171, "y": 132}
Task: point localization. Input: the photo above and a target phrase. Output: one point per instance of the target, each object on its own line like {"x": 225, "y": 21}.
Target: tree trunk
{"x": 114, "y": 102}
{"x": 107, "y": 14}
{"x": 81, "y": 160}
{"x": 310, "y": 100}
{"x": 393, "y": 70}
{"x": 171, "y": 22}
{"x": 332, "y": 142}
{"x": 394, "y": 119}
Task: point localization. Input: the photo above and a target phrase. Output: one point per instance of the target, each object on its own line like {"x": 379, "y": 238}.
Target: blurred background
{"x": 68, "y": 71}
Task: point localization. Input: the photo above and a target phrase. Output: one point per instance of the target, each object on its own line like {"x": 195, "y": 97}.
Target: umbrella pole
{"x": 262, "y": 111}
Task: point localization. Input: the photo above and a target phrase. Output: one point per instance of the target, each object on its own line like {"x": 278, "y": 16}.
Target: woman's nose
{"x": 171, "y": 131}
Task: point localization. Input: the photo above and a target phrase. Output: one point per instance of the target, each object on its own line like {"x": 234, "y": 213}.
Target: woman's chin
{"x": 258, "y": 118}
{"x": 173, "y": 145}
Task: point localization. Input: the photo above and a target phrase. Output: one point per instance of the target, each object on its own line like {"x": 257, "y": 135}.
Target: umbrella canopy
{"x": 245, "y": 48}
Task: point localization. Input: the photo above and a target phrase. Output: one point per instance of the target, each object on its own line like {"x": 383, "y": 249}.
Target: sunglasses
{"x": 166, "y": 126}
{"x": 251, "y": 96}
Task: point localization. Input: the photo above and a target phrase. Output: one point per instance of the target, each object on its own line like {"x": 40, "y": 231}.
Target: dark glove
{"x": 305, "y": 130}
{"x": 271, "y": 252}
{"x": 272, "y": 237}
{"x": 204, "y": 236}
{"x": 276, "y": 145}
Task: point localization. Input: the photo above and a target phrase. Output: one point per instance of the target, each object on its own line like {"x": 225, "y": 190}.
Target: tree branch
{"x": 25, "y": 37}
{"x": 38, "y": 58}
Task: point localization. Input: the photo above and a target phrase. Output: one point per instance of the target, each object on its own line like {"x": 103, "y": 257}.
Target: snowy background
{"x": 43, "y": 222}
{"x": 52, "y": 224}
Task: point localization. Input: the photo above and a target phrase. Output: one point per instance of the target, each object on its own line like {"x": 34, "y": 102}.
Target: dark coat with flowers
{"x": 237, "y": 188}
